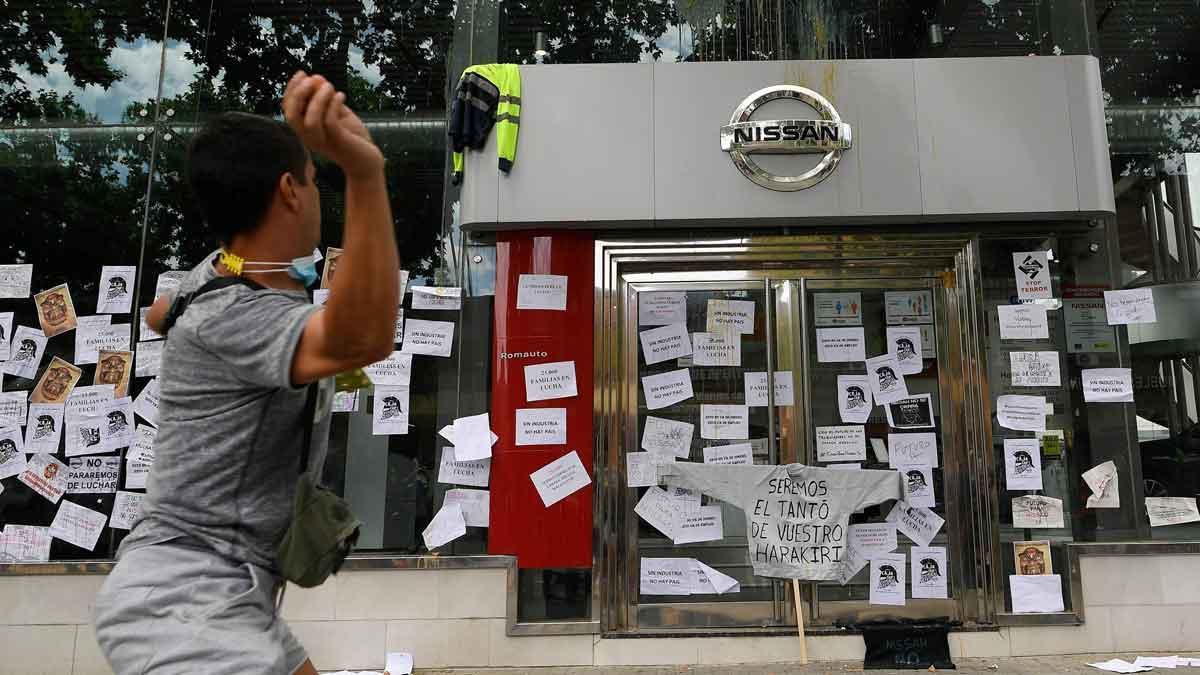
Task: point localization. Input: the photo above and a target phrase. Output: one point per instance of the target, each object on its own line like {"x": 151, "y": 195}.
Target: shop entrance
{"x": 794, "y": 297}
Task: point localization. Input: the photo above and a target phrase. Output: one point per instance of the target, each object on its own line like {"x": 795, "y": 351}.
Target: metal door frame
{"x": 756, "y": 260}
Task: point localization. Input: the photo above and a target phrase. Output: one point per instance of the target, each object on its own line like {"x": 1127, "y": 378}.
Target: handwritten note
{"x": 665, "y": 436}
{"x": 658, "y": 509}
{"x": 146, "y": 403}
{"x": 560, "y": 479}
{"x": 542, "y": 291}
{"x": 641, "y": 468}
{"x": 148, "y": 360}
{"x": 15, "y": 281}
{"x": 665, "y": 343}
{"x": 1107, "y": 385}
{"x": 541, "y": 426}
{"x": 841, "y": 345}
{"x": 1035, "y": 369}
{"x": 127, "y": 508}
{"x": 841, "y": 443}
{"x": 1171, "y": 510}
{"x": 1023, "y": 322}
{"x": 667, "y": 389}
{"x": 919, "y": 448}
{"x": 14, "y": 408}
{"x": 1037, "y": 512}
{"x": 1135, "y": 305}
{"x": 77, "y": 525}
{"x": 24, "y": 543}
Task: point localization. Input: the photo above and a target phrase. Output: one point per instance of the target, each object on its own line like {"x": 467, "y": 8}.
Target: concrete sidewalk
{"x": 1028, "y": 665}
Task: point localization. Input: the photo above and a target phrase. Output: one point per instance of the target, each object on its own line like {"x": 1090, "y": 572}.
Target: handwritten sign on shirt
{"x": 1135, "y": 305}
{"x": 542, "y": 291}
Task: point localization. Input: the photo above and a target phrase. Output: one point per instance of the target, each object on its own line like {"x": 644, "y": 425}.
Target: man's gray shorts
{"x": 170, "y": 609}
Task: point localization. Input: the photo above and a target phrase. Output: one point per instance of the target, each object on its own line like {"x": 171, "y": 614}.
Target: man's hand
{"x": 319, "y": 115}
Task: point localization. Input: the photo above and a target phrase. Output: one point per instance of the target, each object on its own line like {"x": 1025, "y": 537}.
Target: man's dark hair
{"x": 233, "y": 166}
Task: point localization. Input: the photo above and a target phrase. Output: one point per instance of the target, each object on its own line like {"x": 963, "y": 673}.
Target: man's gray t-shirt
{"x": 227, "y": 454}
{"x": 796, "y": 515}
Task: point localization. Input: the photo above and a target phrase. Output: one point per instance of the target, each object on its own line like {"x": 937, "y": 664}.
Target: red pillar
{"x": 561, "y": 535}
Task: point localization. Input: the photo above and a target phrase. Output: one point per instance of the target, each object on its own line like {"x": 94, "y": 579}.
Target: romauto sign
{"x": 743, "y": 137}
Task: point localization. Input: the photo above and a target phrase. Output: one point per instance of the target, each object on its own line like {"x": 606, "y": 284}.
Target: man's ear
{"x": 289, "y": 191}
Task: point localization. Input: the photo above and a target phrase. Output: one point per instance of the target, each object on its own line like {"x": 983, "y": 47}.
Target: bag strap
{"x": 180, "y": 304}
{"x": 309, "y": 419}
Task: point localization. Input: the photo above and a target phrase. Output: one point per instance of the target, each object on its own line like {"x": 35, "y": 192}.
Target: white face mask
{"x": 302, "y": 269}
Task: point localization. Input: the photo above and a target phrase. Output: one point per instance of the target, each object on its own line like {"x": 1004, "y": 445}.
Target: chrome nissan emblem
{"x": 743, "y": 137}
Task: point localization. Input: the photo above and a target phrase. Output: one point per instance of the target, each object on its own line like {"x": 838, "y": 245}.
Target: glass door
{"x": 808, "y": 329}
{"x": 728, "y": 331}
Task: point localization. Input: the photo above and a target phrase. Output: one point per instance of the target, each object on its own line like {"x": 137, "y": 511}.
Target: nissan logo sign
{"x": 743, "y": 137}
